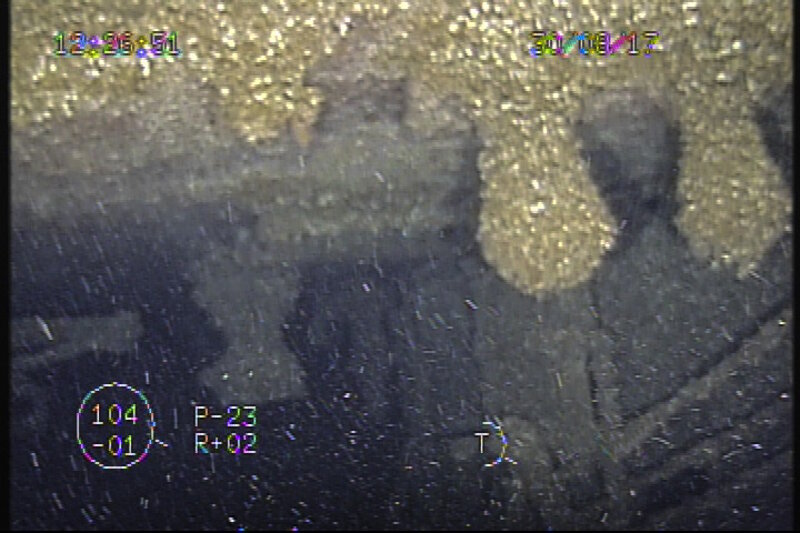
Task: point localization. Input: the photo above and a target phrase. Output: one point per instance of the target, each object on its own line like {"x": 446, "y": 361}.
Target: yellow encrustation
{"x": 543, "y": 224}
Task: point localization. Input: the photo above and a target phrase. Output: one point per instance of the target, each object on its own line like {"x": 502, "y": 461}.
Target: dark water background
{"x": 387, "y": 396}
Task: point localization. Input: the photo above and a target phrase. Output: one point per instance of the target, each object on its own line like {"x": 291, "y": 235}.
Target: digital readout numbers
{"x": 235, "y": 437}
{"x": 115, "y": 426}
{"x": 117, "y": 44}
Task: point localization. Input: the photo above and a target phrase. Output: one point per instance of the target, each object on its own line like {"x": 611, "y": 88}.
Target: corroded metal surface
{"x": 543, "y": 225}
{"x": 345, "y": 171}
